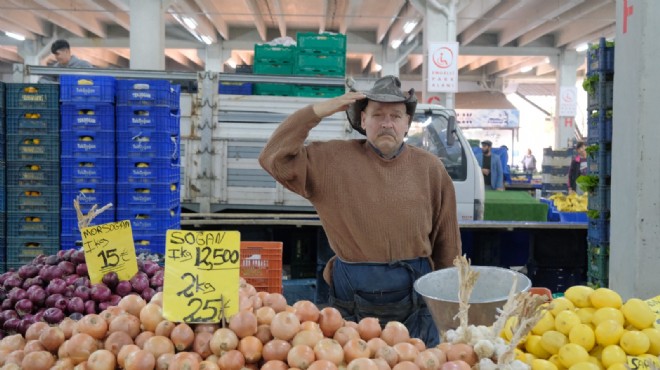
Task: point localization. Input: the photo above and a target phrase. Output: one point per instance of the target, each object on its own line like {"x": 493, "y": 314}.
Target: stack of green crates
{"x": 320, "y": 54}
{"x": 273, "y": 60}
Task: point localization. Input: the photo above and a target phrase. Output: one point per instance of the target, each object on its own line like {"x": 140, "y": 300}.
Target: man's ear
{"x": 363, "y": 117}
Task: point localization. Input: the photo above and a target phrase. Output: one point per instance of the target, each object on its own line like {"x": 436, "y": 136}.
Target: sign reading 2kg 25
{"x": 201, "y": 275}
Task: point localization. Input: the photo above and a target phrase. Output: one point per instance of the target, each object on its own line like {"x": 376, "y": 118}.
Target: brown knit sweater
{"x": 372, "y": 209}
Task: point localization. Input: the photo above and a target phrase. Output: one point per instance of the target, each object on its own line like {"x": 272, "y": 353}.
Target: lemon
{"x": 608, "y": 332}
{"x": 613, "y": 355}
{"x": 36, "y": 141}
{"x": 507, "y": 332}
{"x": 585, "y": 365}
{"x": 638, "y": 313}
{"x": 579, "y": 295}
{"x": 539, "y": 364}
{"x": 654, "y": 340}
{"x": 561, "y": 304}
{"x": 555, "y": 360}
{"x": 608, "y": 313}
{"x": 596, "y": 351}
{"x": 634, "y": 342}
{"x": 596, "y": 362}
{"x": 583, "y": 335}
{"x": 571, "y": 354}
{"x": 566, "y": 320}
{"x": 605, "y": 297}
{"x": 618, "y": 367}
{"x": 546, "y": 323}
{"x": 585, "y": 314}
{"x": 533, "y": 346}
{"x": 520, "y": 355}
{"x": 552, "y": 341}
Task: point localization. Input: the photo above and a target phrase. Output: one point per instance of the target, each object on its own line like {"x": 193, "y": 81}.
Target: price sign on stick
{"x": 201, "y": 275}
{"x": 109, "y": 247}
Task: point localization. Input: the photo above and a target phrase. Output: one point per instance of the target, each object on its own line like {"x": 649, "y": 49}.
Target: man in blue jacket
{"x": 491, "y": 166}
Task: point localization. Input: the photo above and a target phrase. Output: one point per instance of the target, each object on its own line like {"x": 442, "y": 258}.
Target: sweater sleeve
{"x": 285, "y": 155}
{"x": 446, "y": 236}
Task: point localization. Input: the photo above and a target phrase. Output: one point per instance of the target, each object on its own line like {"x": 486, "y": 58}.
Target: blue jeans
{"x": 384, "y": 291}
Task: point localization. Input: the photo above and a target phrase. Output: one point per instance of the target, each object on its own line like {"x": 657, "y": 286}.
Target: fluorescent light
{"x": 16, "y": 36}
{"x": 409, "y": 26}
{"x": 395, "y": 44}
{"x": 526, "y": 69}
{"x": 230, "y": 62}
{"x": 546, "y": 60}
{"x": 207, "y": 40}
{"x": 378, "y": 67}
{"x": 190, "y": 22}
{"x": 582, "y": 47}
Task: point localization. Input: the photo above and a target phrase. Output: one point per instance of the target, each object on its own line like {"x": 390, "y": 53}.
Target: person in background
{"x": 64, "y": 58}
{"x": 529, "y": 162}
{"x": 491, "y": 166}
{"x": 388, "y": 208}
{"x": 578, "y": 168}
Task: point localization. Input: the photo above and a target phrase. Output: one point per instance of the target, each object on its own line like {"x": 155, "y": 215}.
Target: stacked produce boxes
{"x": 3, "y": 176}
{"x": 599, "y": 85}
{"x": 321, "y": 54}
{"x": 555, "y": 170}
{"x": 148, "y": 156}
{"x": 33, "y": 186}
{"x": 274, "y": 60}
{"x": 88, "y": 151}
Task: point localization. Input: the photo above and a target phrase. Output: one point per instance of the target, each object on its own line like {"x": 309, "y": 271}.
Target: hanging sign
{"x": 567, "y": 101}
{"x": 201, "y": 275}
{"x": 442, "y": 67}
{"x": 109, "y": 247}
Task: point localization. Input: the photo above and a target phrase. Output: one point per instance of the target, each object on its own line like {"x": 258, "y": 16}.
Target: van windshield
{"x": 429, "y": 131}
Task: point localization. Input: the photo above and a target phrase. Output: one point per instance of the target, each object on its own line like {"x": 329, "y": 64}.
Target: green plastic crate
{"x": 273, "y": 69}
{"x": 320, "y": 61}
{"x": 321, "y": 43}
{"x": 274, "y": 54}
{"x": 273, "y": 89}
{"x": 314, "y": 91}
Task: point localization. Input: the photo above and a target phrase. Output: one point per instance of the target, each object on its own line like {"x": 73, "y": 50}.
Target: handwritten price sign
{"x": 201, "y": 275}
{"x": 643, "y": 362}
{"x": 109, "y": 247}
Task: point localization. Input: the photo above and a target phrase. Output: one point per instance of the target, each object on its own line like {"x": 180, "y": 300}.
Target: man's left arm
{"x": 445, "y": 236}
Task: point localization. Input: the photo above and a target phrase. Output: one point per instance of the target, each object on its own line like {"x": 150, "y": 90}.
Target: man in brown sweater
{"x": 388, "y": 209}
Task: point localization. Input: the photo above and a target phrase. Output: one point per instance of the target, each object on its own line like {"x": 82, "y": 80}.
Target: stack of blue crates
{"x": 600, "y": 67}
{"x": 33, "y": 186}
{"x": 3, "y": 190}
{"x": 88, "y": 151}
{"x": 148, "y": 157}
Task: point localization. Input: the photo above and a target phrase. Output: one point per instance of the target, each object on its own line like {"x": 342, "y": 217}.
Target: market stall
{"x": 513, "y": 206}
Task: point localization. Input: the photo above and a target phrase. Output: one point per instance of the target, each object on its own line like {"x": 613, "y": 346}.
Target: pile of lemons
{"x": 590, "y": 329}
{"x": 570, "y": 203}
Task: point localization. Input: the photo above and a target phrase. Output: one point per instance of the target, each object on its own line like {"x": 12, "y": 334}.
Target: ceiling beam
{"x": 204, "y": 26}
{"x": 177, "y": 56}
{"x": 502, "y": 64}
{"x": 593, "y": 22}
{"x": 415, "y": 61}
{"x": 480, "y": 62}
{"x": 258, "y": 19}
{"x": 279, "y": 15}
{"x": 193, "y": 56}
{"x": 323, "y": 18}
{"x": 116, "y": 14}
{"x": 496, "y": 14}
{"x": 210, "y": 9}
{"x": 606, "y": 32}
{"x": 122, "y": 52}
{"x": 472, "y": 12}
{"x": 86, "y": 19}
{"x": 541, "y": 14}
{"x": 386, "y": 24}
{"x": 12, "y": 55}
{"x": 515, "y": 69}
{"x": 26, "y": 19}
{"x": 352, "y": 8}
{"x": 8, "y": 26}
{"x": 545, "y": 68}
{"x": 364, "y": 62}
{"x": 55, "y": 18}
{"x": 562, "y": 21}
{"x": 464, "y": 60}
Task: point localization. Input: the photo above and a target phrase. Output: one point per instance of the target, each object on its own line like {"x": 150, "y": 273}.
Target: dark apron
{"x": 384, "y": 291}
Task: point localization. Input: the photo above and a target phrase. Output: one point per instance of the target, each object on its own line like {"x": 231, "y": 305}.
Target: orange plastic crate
{"x": 261, "y": 265}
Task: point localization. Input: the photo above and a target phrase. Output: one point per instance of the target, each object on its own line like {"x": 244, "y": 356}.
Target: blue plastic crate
{"x": 88, "y": 169}
{"x": 175, "y": 96}
{"x": 600, "y": 58}
{"x": 85, "y": 143}
{"x": 88, "y": 194}
{"x": 152, "y": 221}
{"x": 142, "y": 196}
{"x": 154, "y": 243}
{"x": 27, "y": 95}
{"x": 600, "y": 163}
{"x": 33, "y": 147}
{"x": 144, "y": 92}
{"x": 22, "y": 250}
{"x": 33, "y": 198}
{"x": 573, "y": 217}
{"x": 147, "y": 117}
{"x": 70, "y": 241}
{"x": 2, "y": 97}
{"x": 69, "y": 220}
{"x": 32, "y": 121}
{"x": 78, "y": 88}
{"x": 88, "y": 116}
{"x": 31, "y": 173}
{"x": 598, "y": 230}
{"x": 3, "y": 193}
{"x": 29, "y": 224}
{"x": 235, "y": 88}
{"x": 149, "y": 170}
{"x": 599, "y": 200}
{"x": 148, "y": 143}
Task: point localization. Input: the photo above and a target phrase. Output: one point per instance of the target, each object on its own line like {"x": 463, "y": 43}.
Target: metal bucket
{"x": 440, "y": 292}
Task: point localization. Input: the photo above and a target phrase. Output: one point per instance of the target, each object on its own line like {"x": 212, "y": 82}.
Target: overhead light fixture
{"x": 230, "y": 62}
{"x": 378, "y": 67}
{"x": 546, "y": 60}
{"x": 526, "y": 69}
{"x": 15, "y": 36}
{"x": 409, "y": 26}
{"x": 395, "y": 44}
{"x": 207, "y": 40}
{"x": 189, "y": 22}
{"x": 582, "y": 47}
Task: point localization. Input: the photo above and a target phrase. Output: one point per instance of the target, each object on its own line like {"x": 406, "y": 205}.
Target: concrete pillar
{"x": 439, "y": 26}
{"x": 635, "y": 194}
{"x": 215, "y": 56}
{"x": 389, "y": 61}
{"x": 147, "y": 34}
{"x": 32, "y": 52}
{"x": 567, "y": 65}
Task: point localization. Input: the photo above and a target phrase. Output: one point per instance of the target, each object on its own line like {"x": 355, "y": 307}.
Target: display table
{"x": 513, "y": 206}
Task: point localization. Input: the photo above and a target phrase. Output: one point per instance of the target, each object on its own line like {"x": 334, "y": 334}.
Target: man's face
{"x": 485, "y": 148}
{"x": 386, "y": 125}
{"x": 63, "y": 56}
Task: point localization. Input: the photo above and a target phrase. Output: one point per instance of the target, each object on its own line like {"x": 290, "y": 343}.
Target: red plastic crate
{"x": 261, "y": 265}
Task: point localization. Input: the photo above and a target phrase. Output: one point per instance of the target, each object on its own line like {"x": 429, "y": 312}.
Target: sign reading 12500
{"x": 201, "y": 275}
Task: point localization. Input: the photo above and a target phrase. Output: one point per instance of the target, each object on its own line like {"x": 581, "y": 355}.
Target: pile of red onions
{"x": 51, "y": 288}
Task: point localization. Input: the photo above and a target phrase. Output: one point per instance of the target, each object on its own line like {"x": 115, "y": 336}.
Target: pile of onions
{"x": 267, "y": 334}
{"x": 51, "y": 288}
